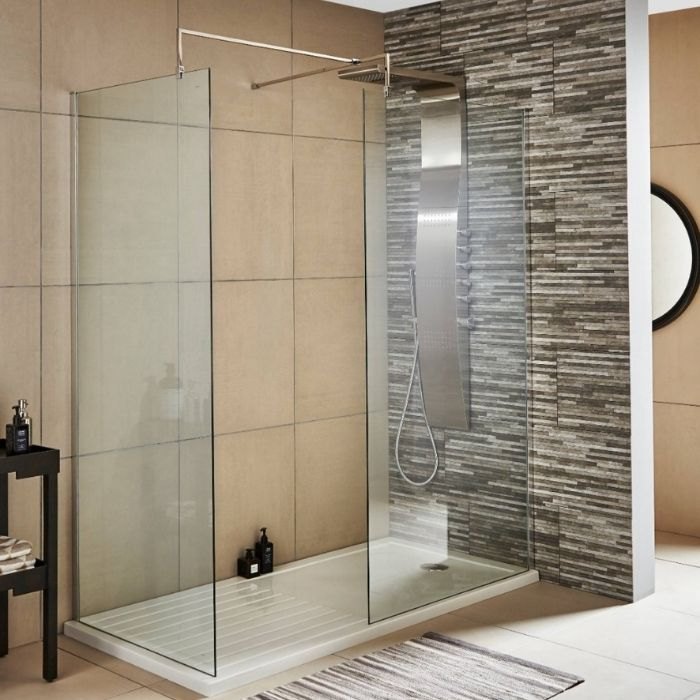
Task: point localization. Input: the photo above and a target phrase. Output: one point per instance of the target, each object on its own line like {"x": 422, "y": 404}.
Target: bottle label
{"x": 21, "y": 440}
{"x": 253, "y": 568}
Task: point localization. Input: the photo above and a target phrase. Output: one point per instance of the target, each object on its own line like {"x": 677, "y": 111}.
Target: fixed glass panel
{"x": 143, "y": 365}
{"x": 447, "y": 494}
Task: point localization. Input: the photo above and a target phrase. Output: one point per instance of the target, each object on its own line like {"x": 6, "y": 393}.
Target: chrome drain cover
{"x": 434, "y": 567}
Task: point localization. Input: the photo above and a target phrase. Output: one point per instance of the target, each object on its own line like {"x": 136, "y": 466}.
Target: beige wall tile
{"x": 674, "y": 65}
{"x": 268, "y": 22}
{"x": 65, "y": 542}
{"x": 20, "y": 197}
{"x": 129, "y": 526}
{"x": 254, "y": 489}
{"x": 56, "y": 199}
{"x": 253, "y": 355}
{"x": 19, "y": 53}
{"x": 330, "y": 348}
{"x": 328, "y": 208}
{"x": 25, "y": 522}
{"x": 234, "y": 69}
{"x": 326, "y": 106}
{"x": 336, "y": 29}
{"x": 20, "y": 350}
{"x": 676, "y": 371}
{"x": 123, "y": 379}
{"x": 56, "y": 366}
{"x": 253, "y": 206}
{"x": 330, "y": 485}
{"x": 677, "y": 478}
{"x": 90, "y": 44}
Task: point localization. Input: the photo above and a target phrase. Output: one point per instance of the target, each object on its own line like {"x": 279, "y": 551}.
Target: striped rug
{"x": 431, "y": 667}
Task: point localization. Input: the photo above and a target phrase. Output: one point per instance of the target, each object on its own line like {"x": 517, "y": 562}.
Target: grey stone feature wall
{"x": 562, "y": 64}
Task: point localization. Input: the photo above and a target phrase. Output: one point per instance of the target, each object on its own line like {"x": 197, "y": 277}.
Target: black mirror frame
{"x": 694, "y": 278}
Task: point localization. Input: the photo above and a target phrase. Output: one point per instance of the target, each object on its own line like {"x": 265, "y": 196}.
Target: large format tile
{"x": 673, "y": 64}
{"x": 254, "y": 489}
{"x": 99, "y": 658}
{"x": 604, "y": 679}
{"x": 56, "y": 199}
{"x": 253, "y": 355}
{"x": 128, "y": 192}
{"x": 56, "y": 369}
{"x": 326, "y": 106}
{"x": 125, "y": 386}
{"x": 337, "y": 29}
{"x": 328, "y": 208}
{"x": 234, "y": 68}
{"x": 538, "y": 609}
{"x": 657, "y": 639}
{"x": 20, "y": 54}
{"x": 129, "y": 528}
{"x": 330, "y": 348}
{"x": 88, "y": 44}
{"x": 678, "y": 548}
{"x": 330, "y": 485}
{"x": 20, "y": 135}
{"x": 253, "y": 206}
{"x": 676, "y": 477}
{"x": 20, "y": 678}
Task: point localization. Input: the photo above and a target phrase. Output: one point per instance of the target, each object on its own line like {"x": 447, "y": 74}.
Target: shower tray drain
{"x": 434, "y": 567}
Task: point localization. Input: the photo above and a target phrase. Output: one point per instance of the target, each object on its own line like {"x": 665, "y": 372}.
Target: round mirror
{"x": 674, "y": 256}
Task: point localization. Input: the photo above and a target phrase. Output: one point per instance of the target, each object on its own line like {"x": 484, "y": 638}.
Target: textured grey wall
{"x": 563, "y": 62}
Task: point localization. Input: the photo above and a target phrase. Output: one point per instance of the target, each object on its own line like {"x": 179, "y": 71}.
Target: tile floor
{"x": 645, "y": 651}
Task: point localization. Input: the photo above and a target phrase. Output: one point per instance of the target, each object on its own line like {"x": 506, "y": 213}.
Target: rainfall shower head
{"x": 402, "y": 78}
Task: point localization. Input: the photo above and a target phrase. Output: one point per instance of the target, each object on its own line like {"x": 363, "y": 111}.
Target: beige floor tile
{"x": 20, "y": 183}
{"x": 538, "y": 609}
{"x": 252, "y": 206}
{"x": 604, "y": 679}
{"x": 88, "y": 44}
{"x": 330, "y": 348}
{"x": 175, "y": 691}
{"x": 328, "y": 208}
{"x": 330, "y": 485}
{"x": 249, "y": 465}
{"x": 681, "y": 549}
{"x": 20, "y": 53}
{"x": 280, "y": 678}
{"x": 661, "y": 640}
{"x": 142, "y": 694}
{"x": 450, "y": 625}
{"x": 99, "y": 658}
{"x": 20, "y": 678}
{"x": 677, "y": 588}
{"x": 253, "y": 355}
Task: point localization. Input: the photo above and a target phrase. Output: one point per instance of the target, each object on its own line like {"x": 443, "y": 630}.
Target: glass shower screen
{"x": 143, "y": 391}
{"x": 446, "y": 348}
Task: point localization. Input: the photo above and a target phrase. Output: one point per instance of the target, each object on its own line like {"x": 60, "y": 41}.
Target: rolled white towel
{"x": 17, "y": 564}
{"x": 6, "y": 541}
{"x": 19, "y": 548}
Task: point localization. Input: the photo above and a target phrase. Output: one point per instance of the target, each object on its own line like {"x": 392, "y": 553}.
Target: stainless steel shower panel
{"x": 442, "y": 129}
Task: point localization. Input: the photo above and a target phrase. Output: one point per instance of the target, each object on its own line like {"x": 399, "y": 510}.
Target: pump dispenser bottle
{"x": 18, "y": 434}
{"x": 263, "y": 551}
{"x": 249, "y": 566}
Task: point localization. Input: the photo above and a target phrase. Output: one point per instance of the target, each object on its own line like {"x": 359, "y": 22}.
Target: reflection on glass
{"x": 143, "y": 343}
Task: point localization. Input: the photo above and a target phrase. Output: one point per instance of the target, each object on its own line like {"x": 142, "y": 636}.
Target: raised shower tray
{"x": 321, "y": 625}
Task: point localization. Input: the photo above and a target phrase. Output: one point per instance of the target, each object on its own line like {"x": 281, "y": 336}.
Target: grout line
{"x": 678, "y": 403}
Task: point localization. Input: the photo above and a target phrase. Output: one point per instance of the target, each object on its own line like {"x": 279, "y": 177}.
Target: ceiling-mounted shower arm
{"x": 255, "y": 44}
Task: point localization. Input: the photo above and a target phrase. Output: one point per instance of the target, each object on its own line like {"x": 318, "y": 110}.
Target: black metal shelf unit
{"x": 44, "y": 462}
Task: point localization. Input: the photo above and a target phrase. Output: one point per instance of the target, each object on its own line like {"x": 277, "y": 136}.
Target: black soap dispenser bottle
{"x": 18, "y": 434}
{"x": 249, "y": 566}
{"x": 263, "y": 551}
